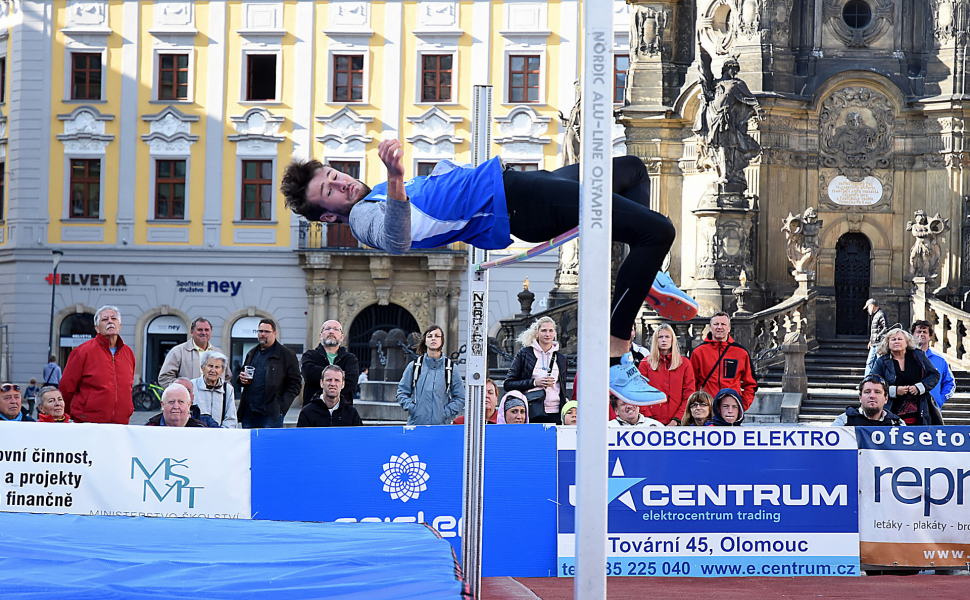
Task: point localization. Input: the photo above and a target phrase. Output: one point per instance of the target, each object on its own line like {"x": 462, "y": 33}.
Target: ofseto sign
{"x": 914, "y": 488}
{"x": 89, "y": 469}
{"x": 714, "y": 502}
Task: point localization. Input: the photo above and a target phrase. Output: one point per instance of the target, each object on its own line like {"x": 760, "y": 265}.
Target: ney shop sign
{"x": 914, "y": 496}
{"x": 91, "y": 281}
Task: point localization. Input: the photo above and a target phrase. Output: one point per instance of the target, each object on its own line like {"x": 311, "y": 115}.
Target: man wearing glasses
{"x": 329, "y": 352}
{"x": 270, "y": 380}
{"x": 11, "y": 408}
{"x": 873, "y": 395}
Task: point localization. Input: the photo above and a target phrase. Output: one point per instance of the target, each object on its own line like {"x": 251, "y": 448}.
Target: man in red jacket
{"x": 99, "y": 373}
{"x": 720, "y": 362}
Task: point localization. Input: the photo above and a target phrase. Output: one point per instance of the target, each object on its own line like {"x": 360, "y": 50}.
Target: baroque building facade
{"x": 864, "y": 117}
{"x": 145, "y": 140}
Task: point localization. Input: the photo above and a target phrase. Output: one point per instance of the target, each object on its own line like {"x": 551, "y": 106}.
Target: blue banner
{"x": 951, "y": 438}
{"x": 713, "y": 502}
{"x": 401, "y": 474}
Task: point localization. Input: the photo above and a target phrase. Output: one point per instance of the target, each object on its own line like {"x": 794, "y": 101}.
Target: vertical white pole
{"x": 596, "y": 185}
{"x": 476, "y": 367}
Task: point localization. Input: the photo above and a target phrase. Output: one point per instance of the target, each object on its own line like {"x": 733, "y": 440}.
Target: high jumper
{"x": 486, "y": 205}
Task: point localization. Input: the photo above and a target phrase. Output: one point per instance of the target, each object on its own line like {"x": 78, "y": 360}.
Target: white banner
{"x": 89, "y": 469}
{"x": 913, "y": 508}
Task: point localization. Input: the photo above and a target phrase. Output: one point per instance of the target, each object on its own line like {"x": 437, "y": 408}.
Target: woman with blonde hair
{"x": 539, "y": 371}
{"x": 670, "y": 373}
{"x": 910, "y": 376}
{"x": 700, "y": 410}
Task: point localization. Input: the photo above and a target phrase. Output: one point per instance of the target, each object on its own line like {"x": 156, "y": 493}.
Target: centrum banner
{"x": 914, "y": 487}
{"x": 88, "y": 469}
{"x": 715, "y": 502}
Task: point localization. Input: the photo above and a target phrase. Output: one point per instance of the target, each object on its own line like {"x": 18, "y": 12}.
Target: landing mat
{"x": 96, "y": 557}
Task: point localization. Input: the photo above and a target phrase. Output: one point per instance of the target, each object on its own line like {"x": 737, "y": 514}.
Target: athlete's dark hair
{"x": 296, "y": 178}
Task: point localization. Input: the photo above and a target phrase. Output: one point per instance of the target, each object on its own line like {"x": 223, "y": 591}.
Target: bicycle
{"x": 147, "y": 396}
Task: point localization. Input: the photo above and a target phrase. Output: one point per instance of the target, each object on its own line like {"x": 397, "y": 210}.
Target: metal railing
{"x": 317, "y": 236}
{"x": 761, "y": 333}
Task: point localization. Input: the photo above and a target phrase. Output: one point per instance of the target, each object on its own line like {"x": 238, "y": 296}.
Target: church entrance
{"x": 852, "y": 271}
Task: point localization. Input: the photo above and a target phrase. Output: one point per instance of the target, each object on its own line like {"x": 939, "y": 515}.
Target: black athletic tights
{"x": 544, "y": 204}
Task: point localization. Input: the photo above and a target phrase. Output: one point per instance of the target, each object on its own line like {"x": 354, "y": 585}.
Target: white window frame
{"x": 156, "y": 71}
{"x": 153, "y": 177}
{"x": 244, "y": 79}
{"x": 419, "y": 160}
{"x": 69, "y": 53}
{"x": 625, "y": 53}
{"x": 507, "y": 76}
{"x": 237, "y": 203}
{"x": 420, "y": 72}
{"x": 536, "y": 163}
{"x": 331, "y": 55}
{"x": 6, "y": 75}
{"x": 67, "y": 188}
{"x": 356, "y": 159}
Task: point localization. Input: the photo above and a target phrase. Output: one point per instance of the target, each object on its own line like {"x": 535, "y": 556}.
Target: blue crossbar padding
{"x": 104, "y": 558}
{"x": 341, "y": 473}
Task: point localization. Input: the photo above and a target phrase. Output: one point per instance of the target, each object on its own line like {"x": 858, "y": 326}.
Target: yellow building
{"x": 146, "y": 141}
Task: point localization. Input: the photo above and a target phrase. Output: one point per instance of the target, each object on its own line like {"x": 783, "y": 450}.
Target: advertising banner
{"x": 914, "y": 489}
{"x": 414, "y": 475}
{"x": 715, "y": 502}
{"x": 88, "y": 469}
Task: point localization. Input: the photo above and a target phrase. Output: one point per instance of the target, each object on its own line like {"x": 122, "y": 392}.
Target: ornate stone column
{"x": 726, "y": 246}
{"x": 439, "y": 295}
{"x": 454, "y": 294}
{"x": 316, "y": 311}
{"x": 333, "y": 303}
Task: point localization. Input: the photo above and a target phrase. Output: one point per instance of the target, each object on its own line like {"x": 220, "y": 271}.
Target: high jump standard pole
{"x": 595, "y": 237}
{"x": 476, "y": 367}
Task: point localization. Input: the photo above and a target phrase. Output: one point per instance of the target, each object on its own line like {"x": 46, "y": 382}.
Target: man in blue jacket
{"x": 943, "y": 391}
{"x": 485, "y": 206}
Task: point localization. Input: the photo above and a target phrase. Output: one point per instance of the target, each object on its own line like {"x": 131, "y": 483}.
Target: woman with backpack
{"x": 431, "y": 389}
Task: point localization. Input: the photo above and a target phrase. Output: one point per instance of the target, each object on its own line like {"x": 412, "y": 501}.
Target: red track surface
{"x": 886, "y": 587}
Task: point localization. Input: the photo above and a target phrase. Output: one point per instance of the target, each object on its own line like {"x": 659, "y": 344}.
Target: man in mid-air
{"x": 487, "y": 204}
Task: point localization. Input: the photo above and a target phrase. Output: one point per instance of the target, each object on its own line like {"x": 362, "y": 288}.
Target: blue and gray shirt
{"x": 456, "y": 205}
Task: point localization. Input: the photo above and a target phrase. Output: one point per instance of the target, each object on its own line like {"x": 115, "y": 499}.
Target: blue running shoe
{"x": 670, "y": 302}
{"x": 627, "y": 384}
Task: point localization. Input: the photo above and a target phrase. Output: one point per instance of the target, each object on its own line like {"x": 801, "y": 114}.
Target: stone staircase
{"x": 834, "y": 370}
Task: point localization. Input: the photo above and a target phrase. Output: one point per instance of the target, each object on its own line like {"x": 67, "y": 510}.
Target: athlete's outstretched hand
{"x": 392, "y": 155}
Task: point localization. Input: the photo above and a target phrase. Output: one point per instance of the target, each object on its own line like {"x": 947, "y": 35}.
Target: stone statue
{"x": 566, "y": 283}
{"x": 571, "y": 139}
{"x": 722, "y": 122}
{"x": 924, "y": 258}
{"x": 648, "y": 27}
{"x": 801, "y": 233}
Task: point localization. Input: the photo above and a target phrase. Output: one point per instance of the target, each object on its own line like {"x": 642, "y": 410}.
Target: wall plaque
{"x": 845, "y": 192}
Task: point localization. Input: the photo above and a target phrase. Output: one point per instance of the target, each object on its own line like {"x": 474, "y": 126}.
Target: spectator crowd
{"x": 905, "y": 381}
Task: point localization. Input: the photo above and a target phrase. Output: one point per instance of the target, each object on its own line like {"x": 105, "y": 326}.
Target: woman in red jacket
{"x": 670, "y": 373}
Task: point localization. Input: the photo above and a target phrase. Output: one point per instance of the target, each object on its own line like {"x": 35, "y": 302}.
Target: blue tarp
{"x": 68, "y": 557}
